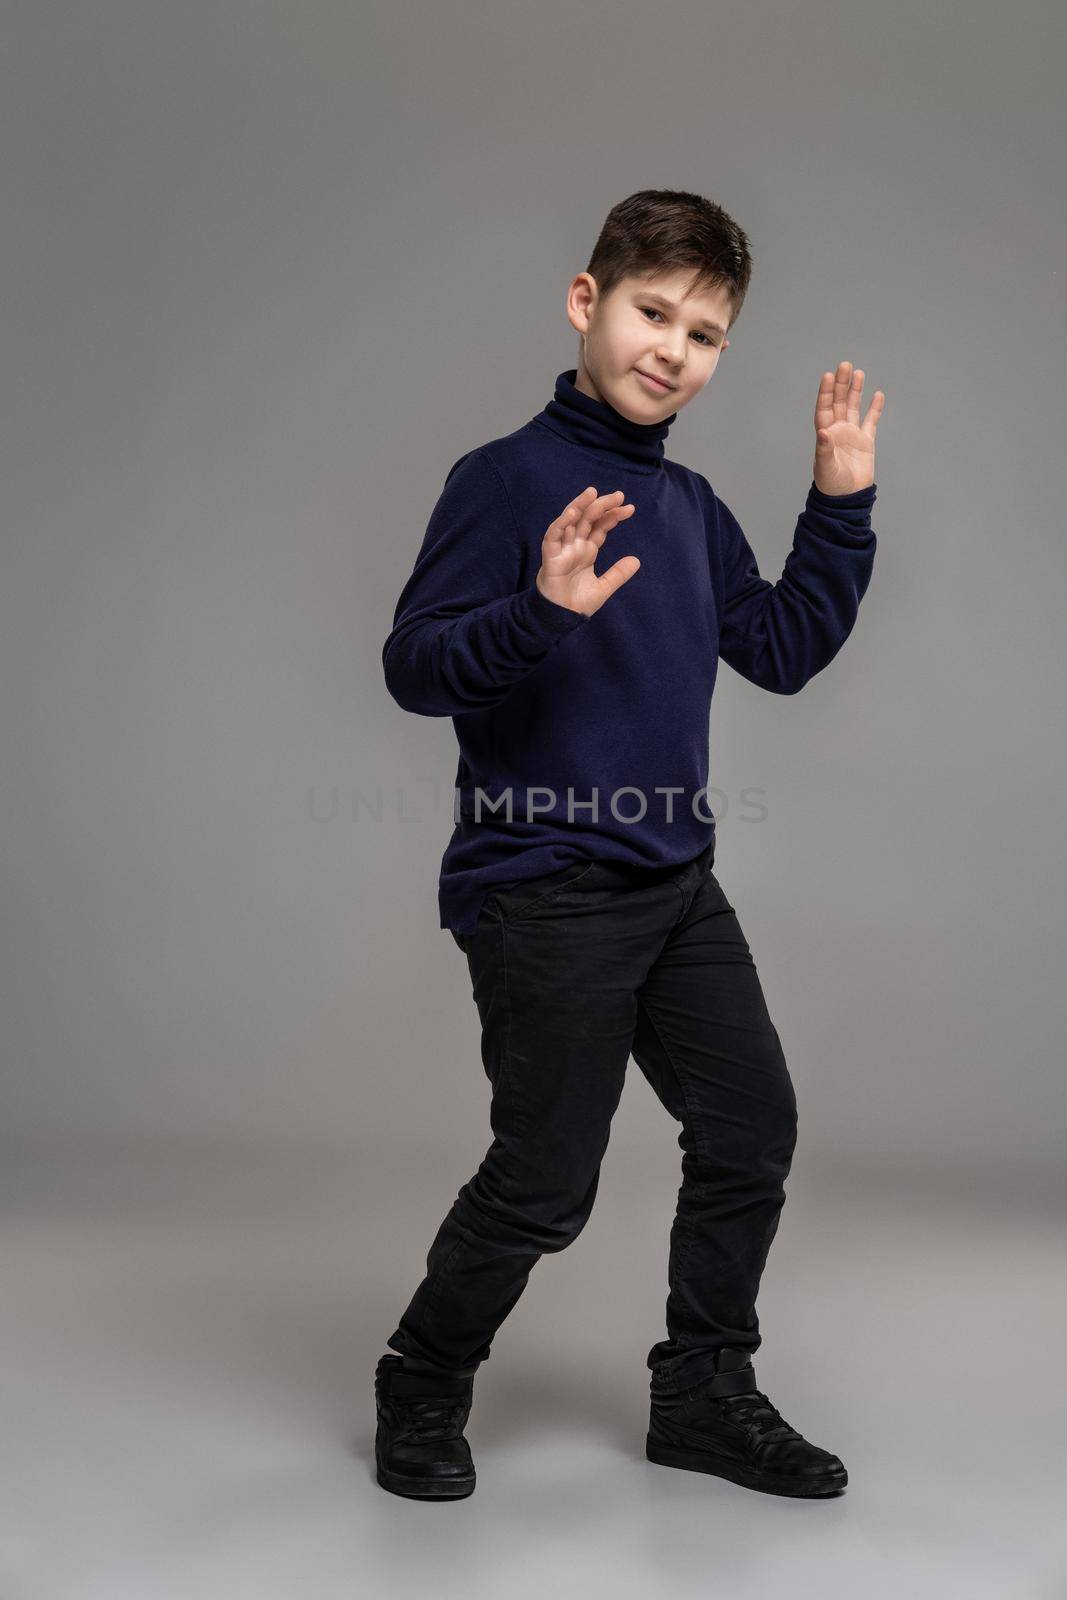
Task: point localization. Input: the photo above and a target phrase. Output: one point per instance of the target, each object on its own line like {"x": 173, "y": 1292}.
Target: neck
{"x": 594, "y": 423}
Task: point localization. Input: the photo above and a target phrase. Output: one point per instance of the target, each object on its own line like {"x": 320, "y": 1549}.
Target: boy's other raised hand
{"x": 844, "y": 446}
{"x": 570, "y": 547}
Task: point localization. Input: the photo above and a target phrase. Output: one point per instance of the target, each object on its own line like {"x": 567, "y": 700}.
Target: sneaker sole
{"x": 747, "y": 1477}
{"x": 429, "y": 1489}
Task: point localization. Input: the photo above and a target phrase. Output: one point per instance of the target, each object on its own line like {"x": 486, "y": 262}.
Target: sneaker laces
{"x": 432, "y": 1419}
{"x": 755, "y": 1410}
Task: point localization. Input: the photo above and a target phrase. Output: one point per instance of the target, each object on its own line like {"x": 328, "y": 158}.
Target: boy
{"x": 578, "y": 881}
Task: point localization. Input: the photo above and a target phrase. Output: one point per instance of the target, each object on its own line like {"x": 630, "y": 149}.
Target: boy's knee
{"x": 780, "y": 1116}
{"x": 565, "y": 1226}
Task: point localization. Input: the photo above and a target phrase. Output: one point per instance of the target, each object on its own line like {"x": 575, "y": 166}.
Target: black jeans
{"x": 572, "y": 974}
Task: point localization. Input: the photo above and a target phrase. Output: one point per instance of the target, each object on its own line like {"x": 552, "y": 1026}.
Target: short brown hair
{"x": 658, "y": 231}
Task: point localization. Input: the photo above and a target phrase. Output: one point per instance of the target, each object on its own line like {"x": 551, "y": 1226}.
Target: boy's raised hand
{"x": 844, "y": 446}
{"x": 570, "y": 547}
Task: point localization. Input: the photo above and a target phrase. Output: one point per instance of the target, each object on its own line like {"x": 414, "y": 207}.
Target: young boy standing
{"x": 578, "y": 881}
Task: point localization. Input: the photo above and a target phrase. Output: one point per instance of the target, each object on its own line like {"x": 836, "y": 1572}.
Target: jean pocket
{"x": 521, "y": 900}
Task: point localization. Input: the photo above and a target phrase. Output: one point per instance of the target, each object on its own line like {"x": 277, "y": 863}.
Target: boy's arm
{"x": 779, "y": 635}
{"x": 464, "y": 631}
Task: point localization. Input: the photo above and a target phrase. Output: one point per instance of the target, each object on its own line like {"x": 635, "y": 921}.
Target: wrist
{"x": 552, "y": 614}
{"x": 554, "y": 599}
{"x": 863, "y": 496}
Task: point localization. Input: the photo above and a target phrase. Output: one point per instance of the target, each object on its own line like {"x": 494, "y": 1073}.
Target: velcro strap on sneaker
{"x": 724, "y": 1383}
{"x": 425, "y": 1385}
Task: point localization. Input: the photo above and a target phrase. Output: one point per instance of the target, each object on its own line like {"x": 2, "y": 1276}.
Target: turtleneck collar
{"x": 597, "y": 425}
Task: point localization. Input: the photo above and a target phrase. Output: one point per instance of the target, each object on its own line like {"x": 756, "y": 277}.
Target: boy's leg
{"x": 707, "y": 1045}
{"x": 555, "y": 965}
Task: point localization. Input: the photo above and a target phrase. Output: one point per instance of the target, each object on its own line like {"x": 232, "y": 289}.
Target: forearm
{"x": 780, "y": 635}
{"x": 438, "y": 667}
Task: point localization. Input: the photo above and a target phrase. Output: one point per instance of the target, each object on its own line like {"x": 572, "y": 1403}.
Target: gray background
{"x": 269, "y": 270}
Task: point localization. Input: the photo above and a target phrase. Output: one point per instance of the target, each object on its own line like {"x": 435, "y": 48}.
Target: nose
{"x": 670, "y": 354}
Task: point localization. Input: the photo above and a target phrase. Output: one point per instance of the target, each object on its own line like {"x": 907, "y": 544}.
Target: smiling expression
{"x": 643, "y": 330}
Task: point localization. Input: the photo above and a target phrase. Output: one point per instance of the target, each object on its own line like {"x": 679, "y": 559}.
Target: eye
{"x": 652, "y": 311}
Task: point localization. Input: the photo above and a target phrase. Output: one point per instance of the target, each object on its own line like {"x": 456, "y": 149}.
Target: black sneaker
{"x": 419, "y": 1447}
{"x": 726, "y": 1426}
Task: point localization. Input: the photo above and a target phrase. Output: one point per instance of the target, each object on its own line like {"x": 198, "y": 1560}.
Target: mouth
{"x": 659, "y": 384}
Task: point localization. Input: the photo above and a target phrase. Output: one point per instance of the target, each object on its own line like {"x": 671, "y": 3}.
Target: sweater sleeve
{"x": 779, "y": 635}
{"x": 464, "y": 630}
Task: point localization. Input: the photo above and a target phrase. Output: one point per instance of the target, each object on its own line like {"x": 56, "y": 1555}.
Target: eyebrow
{"x": 647, "y": 294}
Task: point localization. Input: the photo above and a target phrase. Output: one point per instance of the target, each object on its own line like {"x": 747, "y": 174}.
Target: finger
{"x": 579, "y": 500}
{"x": 616, "y": 576}
{"x": 572, "y": 514}
{"x": 569, "y": 516}
{"x": 577, "y": 505}
{"x": 610, "y": 520}
{"x": 874, "y": 412}
{"x": 824, "y": 401}
{"x": 842, "y": 379}
{"x": 596, "y": 509}
{"x": 852, "y": 399}
{"x": 557, "y": 533}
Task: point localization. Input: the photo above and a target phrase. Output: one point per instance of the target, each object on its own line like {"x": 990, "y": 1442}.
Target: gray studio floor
{"x": 188, "y": 1351}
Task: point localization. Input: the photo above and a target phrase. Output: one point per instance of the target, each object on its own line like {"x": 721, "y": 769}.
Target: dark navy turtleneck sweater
{"x": 587, "y": 737}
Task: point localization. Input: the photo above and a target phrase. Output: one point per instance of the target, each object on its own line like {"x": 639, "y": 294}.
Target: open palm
{"x": 569, "y": 549}
{"x": 844, "y": 446}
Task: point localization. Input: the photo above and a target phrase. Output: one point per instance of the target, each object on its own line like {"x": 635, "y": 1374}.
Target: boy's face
{"x": 652, "y": 327}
